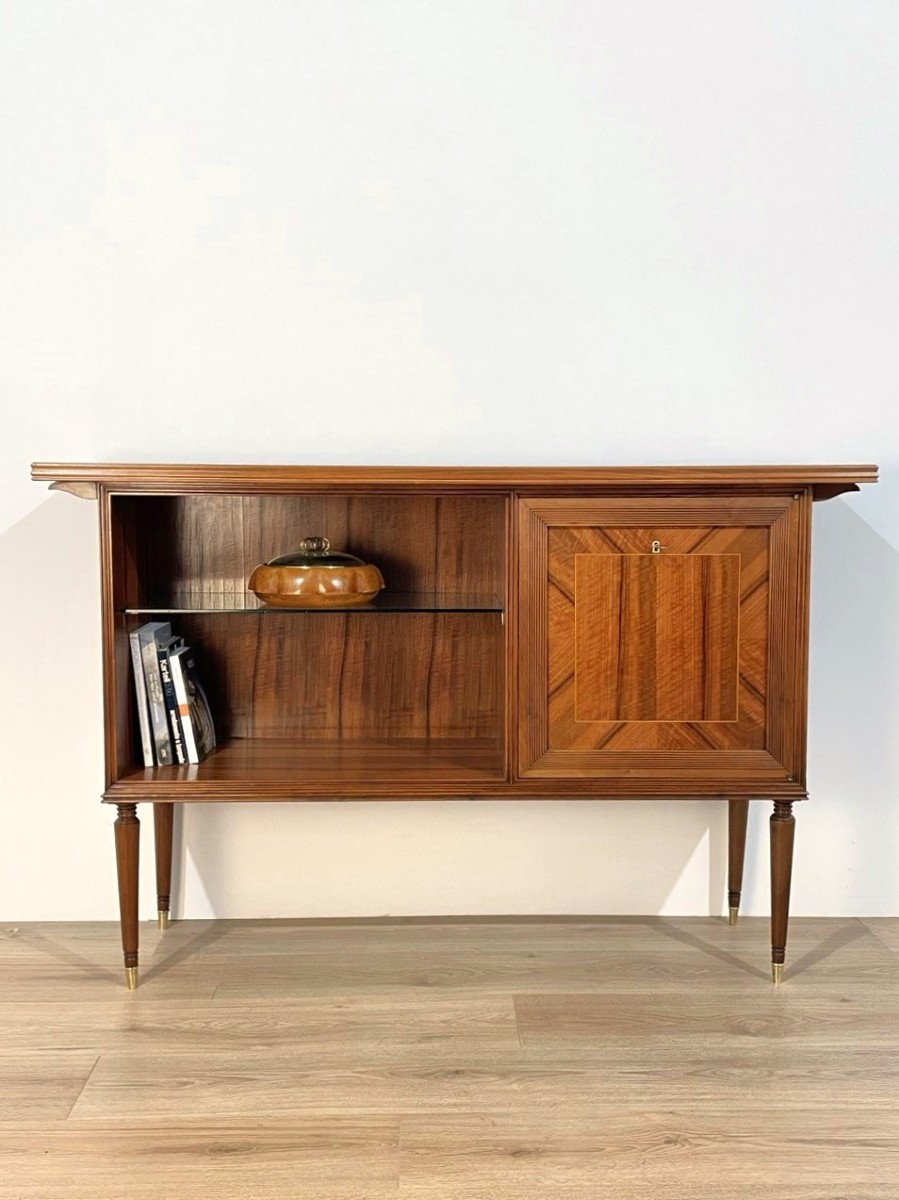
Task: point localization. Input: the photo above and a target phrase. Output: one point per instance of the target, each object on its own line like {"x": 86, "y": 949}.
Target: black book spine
{"x": 162, "y": 739}
{"x": 171, "y": 704}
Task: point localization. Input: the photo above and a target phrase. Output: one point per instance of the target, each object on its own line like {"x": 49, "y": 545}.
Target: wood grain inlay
{"x": 656, "y": 637}
{"x": 675, "y": 650}
{"x": 658, "y": 652}
{"x": 624, "y": 671}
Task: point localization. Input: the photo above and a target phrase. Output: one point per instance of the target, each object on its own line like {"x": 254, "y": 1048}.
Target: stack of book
{"x": 172, "y": 709}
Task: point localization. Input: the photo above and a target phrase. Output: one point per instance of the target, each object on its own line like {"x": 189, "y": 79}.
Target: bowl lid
{"x": 315, "y": 552}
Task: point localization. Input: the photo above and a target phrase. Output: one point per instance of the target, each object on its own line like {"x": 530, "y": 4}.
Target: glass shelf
{"x": 236, "y": 602}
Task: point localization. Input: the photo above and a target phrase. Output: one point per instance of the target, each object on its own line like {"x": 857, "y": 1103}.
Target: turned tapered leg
{"x": 127, "y": 844}
{"x": 783, "y": 825}
{"x": 162, "y": 827}
{"x": 737, "y": 819}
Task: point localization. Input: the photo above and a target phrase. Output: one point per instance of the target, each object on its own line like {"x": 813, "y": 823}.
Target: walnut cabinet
{"x": 572, "y": 632}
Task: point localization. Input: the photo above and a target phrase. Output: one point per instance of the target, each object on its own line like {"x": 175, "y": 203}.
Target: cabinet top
{"x": 83, "y": 478}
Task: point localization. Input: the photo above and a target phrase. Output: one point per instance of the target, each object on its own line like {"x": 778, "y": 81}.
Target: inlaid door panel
{"x": 663, "y": 638}
{"x": 655, "y": 637}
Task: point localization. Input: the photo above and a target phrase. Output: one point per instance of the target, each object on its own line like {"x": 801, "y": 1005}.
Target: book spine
{"x": 158, "y": 720}
{"x": 171, "y": 704}
{"x": 204, "y": 731}
{"x": 182, "y": 699}
{"x": 140, "y": 692}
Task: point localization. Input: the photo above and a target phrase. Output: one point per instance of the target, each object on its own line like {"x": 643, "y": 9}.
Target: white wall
{"x": 394, "y": 231}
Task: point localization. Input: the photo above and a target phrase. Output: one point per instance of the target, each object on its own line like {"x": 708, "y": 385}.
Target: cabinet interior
{"x": 415, "y": 685}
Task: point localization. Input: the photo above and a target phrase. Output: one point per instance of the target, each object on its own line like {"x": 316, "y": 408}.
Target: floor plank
{"x": 634, "y": 1017}
{"x": 125, "y": 1086}
{"x": 671, "y": 1153}
{"x": 332, "y": 1026}
{"x": 344, "y": 1158}
{"x": 42, "y": 1083}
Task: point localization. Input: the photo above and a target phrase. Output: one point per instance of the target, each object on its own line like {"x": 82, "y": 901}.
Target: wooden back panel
{"x": 187, "y": 547}
{"x": 352, "y": 675}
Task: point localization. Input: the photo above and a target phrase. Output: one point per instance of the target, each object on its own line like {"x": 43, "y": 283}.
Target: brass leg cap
{"x": 131, "y": 978}
{"x": 163, "y": 918}
{"x": 777, "y": 972}
{"x": 732, "y": 915}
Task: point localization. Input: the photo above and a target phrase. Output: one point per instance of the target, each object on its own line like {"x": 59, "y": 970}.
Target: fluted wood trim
{"x": 825, "y": 480}
{"x": 715, "y": 786}
{"x": 788, "y": 622}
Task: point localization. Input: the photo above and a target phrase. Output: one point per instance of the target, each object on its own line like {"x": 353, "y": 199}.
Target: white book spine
{"x": 182, "y": 699}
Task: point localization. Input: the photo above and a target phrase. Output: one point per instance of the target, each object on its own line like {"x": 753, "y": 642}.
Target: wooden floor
{"x": 527, "y": 1059}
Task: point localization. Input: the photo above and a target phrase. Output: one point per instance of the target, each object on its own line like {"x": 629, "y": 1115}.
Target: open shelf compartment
{"x": 313, "y": 706}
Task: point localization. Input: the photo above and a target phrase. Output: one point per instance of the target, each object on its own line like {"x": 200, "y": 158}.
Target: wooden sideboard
{"x": 548, "y": 632}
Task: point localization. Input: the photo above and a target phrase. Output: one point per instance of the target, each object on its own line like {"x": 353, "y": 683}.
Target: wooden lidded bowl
{"x": 315, "y": 576}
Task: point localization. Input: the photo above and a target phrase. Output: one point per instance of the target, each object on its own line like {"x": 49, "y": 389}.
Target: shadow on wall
{"x": 455, "y": 858}
{"x": 844, "y": 836}
{"x": 852, "y": 822}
